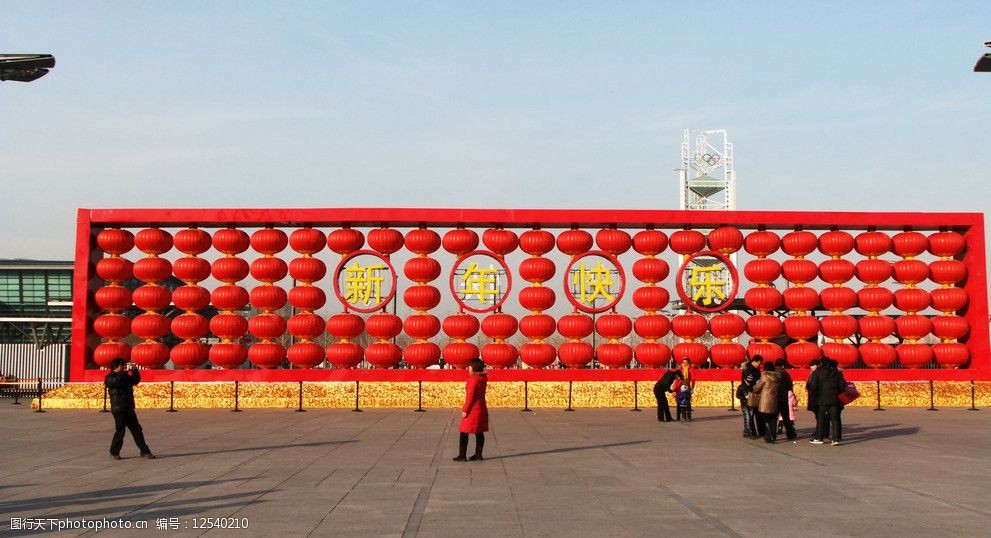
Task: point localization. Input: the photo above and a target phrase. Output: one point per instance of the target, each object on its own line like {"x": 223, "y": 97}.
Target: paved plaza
{"x": 593, "y": 472}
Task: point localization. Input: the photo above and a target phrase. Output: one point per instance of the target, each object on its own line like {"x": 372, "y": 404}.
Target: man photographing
{"x": 120, "y": 383}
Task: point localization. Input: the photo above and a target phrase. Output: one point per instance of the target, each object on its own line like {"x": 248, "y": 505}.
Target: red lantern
{"x": 115, "y": 269}
{"x": 877, "y": 355}
{"x": 499, "y": 326}
{"x": 346, "y": 326}
{"x": 307, "y": 241}
{"x": 383, "y": 354}
{"x": 762, "y": 243}
{"x": 461, "y": 326}
{"x": 191, "y": 270}
{"x": 614, "y": 326}
{"x": 650, "y": 270}
{"x": 458, "y": 354}
{"x": 112, "y": 326}
{"x": 267, "y": 355}
{"x": 913, "y": 327}
{"x": 726, "y": 326}
{"x": 537, "y": 298}
{"x": 652, "y": 327}
{"x": 189, "y": 355}
{"x": 948, "y": 272}
{"x": 383, "y": 326}
{"x": 191, "y": 298}
{"x": 538, "y": 355}
{"x": 306, "y": 354}
{"x": 651, "y": 298}
{"x": 650, "y": 242}
{"x": 909, "y": 244}
{"x": 615, "y": 355}
{"x": 613, "y": 241}
{"x": 946, "y": 244}
{"x": 801, "y": 354}
{"x": 875, "y": 299}
{"x": 150, "y": 326}
{"x": 228, "y": 326}
{"x": 460, "y": 241}
{"x": 106, "y": 352}
{"x": 153, "y": 241}
{"x": 421, "y": 269}
{"x": 422, "y": 241}
{"x": 152, "y": 269}
{"x": 499, "y": 355}
{"x": 801, "y": 299}
{"x": 763, "y": 299}
{"x": 689, "y": 326}
{"x": 501, "y": 242}
{"x": 764, "y": 326}
{"x": 190, "y": 327}
{"x": 876, "y": 327}
{"x": 228, "y": 355}
{"x": 949, "y": 299}
{"x": 835, "y": 243}
{"x": 422, "y": 354}
{"x": 951, "y": 355}
{"x": 269, "y": 241}
{"x": 687, "y": 242}
{"x": 950, "y": 327}
{"x": 266, "y": 327}
{"x": 230, "y": 270}
{"x": 152, "y": 355}
{"x": 914, "y": 355}
{"x": 728, "y": 354}
{"x": 422, "y": 326}
{"x": 537, "y": 327}
{"x": 652, "y": 354}
{"x": 306, "y": 325}
{"x": 537, "y": 269}
{"x": 575, "y": 326}
{"x": 229, "y": 298}
{"x": 347, "y": 240}
{"x": 193, "y": 241}
{"x": 574, "y": 242}
{"x": 801, "y": 327}
{"x": 838, "y": 298}
{"x": 697, "y": 353}
{"x": 231, "y": 241}
{"x": 873, "y": 244}
{"x": 873, "y": 271}
{"x": 838, "y": 326}
{"x": 268, "y": 298}
{"x": 422, "y": 297}
{"x": 762, "y": 271}
{"x": 575, "y": 354}
{"x": 386, "y": 241}
{"x": 307, "y": 269}
{"x": 799, "y": 243}
{"x": 911, "y": 299}
{"x": 344, "y": 354}
{"x": 845, "y": 355}
{"x": 799, "y": 271}
{"x": 836, "y": 271}
{"x": 113, "y": 298}
{"x": 269, "y": 269}
{"x": 911, "y": 272}
{"x": 307, "y": 298}
{"x": 766, "y": 350}
{"x": 725, "y": 239}
{"x": 115, "y": 241}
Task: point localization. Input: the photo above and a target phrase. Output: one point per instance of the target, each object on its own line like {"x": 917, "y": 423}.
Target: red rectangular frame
{"x": 971, "y": 225}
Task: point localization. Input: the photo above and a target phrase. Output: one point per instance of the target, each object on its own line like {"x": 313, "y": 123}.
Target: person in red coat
{"x": 474, "y": 413}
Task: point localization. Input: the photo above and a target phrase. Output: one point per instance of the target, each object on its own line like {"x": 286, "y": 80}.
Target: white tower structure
{"x": 707, "y": 178}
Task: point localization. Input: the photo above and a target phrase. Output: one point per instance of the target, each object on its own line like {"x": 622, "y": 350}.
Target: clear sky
{"x": 857, "y": 106}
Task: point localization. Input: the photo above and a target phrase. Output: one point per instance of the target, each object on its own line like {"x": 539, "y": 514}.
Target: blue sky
{"x": 840, "y": 106}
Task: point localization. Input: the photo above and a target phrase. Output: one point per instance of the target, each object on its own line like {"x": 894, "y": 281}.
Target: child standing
{"x": 684, "y": 399}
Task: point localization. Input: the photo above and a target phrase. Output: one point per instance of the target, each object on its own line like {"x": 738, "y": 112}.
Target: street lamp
{"x": 25, "y": 67}
{"x": 984, "y": 62}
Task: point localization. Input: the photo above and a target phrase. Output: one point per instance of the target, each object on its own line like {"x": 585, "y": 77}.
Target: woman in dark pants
{"x": 661, "y": 388}
{"x": 474, "y": 413}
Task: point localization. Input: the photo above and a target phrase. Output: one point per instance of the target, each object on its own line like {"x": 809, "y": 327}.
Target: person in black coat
{"x": 784, "y": 408}
{"x": 120, "y": 383}
{"x": 752, "y": 427}
{"x": 811, "y": 404}
{"x": 825, "y": 386}
{"x": 661, "y": 388}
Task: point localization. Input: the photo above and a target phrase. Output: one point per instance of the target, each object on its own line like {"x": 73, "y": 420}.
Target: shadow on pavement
{"x": 568, "y": 449}
{"x": 249, "y": 449}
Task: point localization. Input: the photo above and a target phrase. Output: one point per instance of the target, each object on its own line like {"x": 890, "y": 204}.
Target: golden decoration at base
{"x": 509, "y": 394}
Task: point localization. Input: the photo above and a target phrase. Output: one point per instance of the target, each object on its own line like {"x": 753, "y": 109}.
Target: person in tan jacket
{"x": 767, "y": 407}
